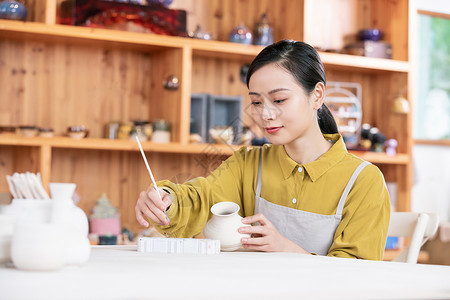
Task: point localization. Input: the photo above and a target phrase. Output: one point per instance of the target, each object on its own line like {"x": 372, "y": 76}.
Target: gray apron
{"x": 313, "y": 232}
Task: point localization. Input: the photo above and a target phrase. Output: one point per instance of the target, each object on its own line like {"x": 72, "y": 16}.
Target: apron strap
{"x": 258, "y": 182}
{"x": 349, "y": 186}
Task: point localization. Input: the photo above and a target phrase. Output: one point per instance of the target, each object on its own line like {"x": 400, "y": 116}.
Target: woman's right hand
{"x": 151, "y": 206}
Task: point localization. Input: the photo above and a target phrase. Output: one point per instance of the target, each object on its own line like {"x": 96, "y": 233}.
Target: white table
{"x": 120, "y": 272}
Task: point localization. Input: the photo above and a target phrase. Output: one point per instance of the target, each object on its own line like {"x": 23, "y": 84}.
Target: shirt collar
{"x": 316, "y": 168}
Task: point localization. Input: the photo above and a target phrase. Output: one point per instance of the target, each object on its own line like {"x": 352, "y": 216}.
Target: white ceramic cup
{"x": 38, "y": 247}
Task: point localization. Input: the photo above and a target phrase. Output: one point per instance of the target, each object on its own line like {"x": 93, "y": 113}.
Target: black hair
{"x": 303, "y": 62}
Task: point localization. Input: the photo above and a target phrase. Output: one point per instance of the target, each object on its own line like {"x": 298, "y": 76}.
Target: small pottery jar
{"x": 161, "y": 131}
{"x": 13, "y": 10}
{"x": 224, "y": 226}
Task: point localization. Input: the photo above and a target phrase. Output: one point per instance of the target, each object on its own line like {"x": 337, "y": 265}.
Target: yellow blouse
{"x": 362, "y": 231}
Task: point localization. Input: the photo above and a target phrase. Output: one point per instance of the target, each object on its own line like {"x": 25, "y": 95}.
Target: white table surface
{"x": 120, "y": 272}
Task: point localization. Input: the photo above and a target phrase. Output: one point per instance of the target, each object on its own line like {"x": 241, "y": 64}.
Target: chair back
{"x": 418, "y": 226}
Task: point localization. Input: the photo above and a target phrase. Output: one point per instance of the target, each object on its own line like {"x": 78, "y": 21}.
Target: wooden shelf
{"x": 152, "y": 42}
{"x": 383, "y": 158}
{"x": 125, "y": 145}
{"x": 445, "y": 143}
{"x": 361, "y": 63}
{"x": 117, "y": 145}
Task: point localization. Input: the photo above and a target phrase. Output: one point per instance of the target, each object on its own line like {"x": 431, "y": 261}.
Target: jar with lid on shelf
{"x": 161, "y": 131}
{"x": 138, "y": 130}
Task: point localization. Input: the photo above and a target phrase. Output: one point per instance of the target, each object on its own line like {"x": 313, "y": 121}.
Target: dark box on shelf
{"x": 369, "y": 49}
{"x": 225, "y": 111}
{"x": 199, "y": 115}
{"x": 209, "y": 111}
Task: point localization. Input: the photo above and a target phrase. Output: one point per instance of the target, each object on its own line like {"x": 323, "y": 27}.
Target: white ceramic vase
{"x": 74, "y": 221}
{"x": 38, "y": 247}
{"x": 224, "y": 226}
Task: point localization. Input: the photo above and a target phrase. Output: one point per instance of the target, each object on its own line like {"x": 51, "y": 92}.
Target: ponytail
{"x": 326, "y": 120}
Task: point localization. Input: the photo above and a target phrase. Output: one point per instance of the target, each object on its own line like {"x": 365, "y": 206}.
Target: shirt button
{"x": 294, "y": 200}
{"x": 300, "y": 169}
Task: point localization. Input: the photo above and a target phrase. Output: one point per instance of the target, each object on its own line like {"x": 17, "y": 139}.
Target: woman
{"x": 305, "y": 191}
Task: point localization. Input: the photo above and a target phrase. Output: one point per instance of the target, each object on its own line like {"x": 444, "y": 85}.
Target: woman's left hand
{"x": 265, "y": 237}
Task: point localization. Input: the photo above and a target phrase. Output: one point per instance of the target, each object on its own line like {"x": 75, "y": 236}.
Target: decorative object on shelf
{"x": 369, "y": 45}
{"x": 46, "y": 132}
{"x": 77, "y": 132}
{"x": 246, "y": 136}
{"x": 344, "y": 101}
{"x": 171, "y": 83}
{"x": 400, "y": 105}
{"x": 199, "y": 33}
{"x": 28, "y": 131}
{"x": 224, "y": 224}
{"x": 391, "y": 146}
{"x": 369, "y": 49}
{"x": 124, "y": 130}
{"x": 152, "y": 18}
{"x": 104, "y": 221}
{"x": 377, "y": 140}
{"x": 263, "y": 32}
{"x": 8, "y": 130}
{"x": 222, "y": 134}
{"x": 13, "y": 10}
{"x": 241, "y": 34}
{"x": 112, "y": 130}
{"x": 365, "y": 142}
{"x": 161, "y": 131}
{"x": 138, "y": 130}
{"x": 370, "y": 34}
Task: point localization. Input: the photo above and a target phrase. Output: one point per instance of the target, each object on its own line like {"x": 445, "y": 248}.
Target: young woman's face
{"x": 280, "y": 106}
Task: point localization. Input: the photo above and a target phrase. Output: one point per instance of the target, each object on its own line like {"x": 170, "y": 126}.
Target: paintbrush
{"x": 150, "y": 173}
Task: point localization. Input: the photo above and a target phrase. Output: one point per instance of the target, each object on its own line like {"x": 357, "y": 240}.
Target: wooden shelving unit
{"x": 61, "y": 75}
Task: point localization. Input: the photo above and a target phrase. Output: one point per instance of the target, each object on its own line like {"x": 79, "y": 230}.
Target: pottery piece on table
{"x": 224, "y": 225}
{"x": 105, "y": 221}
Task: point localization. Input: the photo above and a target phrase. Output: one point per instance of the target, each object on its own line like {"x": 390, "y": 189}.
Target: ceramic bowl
{"x": 77, "y": 132}
{"x": 370, "y": 34}
{"x": 222, "y": 134}
{"x": 28, "y": 131}
{"x": 46, "y": 132}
